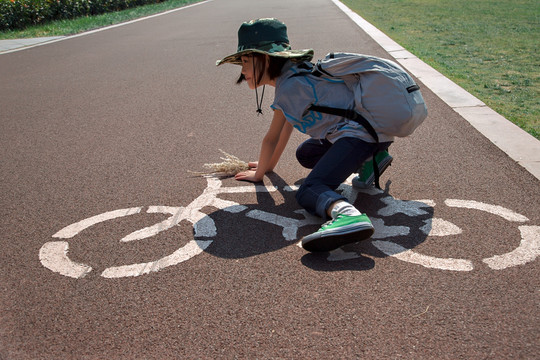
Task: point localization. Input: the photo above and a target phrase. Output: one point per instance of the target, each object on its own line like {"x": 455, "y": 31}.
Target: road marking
{"x": 290, "y": 226}
{"x": 159, "y": 227}
{"x": 527, "y": 251}
{"x": 408, "y": 255}
{"x": 53, "y": 255}
{"x": 191, "y": 249}
{"x": 408, "y": 207}
{"x": 382, "y": 231}
{"x": 505, "y": 213}
{"x": 73, "y": 229}
{"x": 440, "y": 227}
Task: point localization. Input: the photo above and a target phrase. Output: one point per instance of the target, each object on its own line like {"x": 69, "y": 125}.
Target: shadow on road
{"x": 268, "y": 226}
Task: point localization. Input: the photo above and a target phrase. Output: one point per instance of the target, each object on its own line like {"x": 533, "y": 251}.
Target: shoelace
{"x": 329, "y": 222}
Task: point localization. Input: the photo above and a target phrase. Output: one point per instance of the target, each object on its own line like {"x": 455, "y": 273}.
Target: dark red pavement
{"x": 115, "y": 119}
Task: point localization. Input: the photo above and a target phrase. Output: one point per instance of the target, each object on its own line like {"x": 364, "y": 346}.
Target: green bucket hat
{"x": 265, "y": 36}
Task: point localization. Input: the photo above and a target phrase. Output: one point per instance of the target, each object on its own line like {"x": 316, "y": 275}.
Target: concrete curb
{"x": 514, "y": 141}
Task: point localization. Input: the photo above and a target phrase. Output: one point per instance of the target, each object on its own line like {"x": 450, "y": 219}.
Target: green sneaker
{"x": 342, "y": 230}
{"x": 366, "y": 176}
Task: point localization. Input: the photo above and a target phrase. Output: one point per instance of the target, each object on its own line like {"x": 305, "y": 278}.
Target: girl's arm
{"x": 280, "y": 147}
{"x": 282, "y": 144}
{"x": 272, "y": 147}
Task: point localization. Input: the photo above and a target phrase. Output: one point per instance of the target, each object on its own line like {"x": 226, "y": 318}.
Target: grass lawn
{"x": 488, "y": 47}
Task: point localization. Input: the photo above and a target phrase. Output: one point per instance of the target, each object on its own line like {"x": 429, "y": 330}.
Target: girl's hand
{"x": 247, "y": 176}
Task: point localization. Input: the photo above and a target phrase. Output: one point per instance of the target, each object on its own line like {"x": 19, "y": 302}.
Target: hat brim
{"x": 294, "y": 55}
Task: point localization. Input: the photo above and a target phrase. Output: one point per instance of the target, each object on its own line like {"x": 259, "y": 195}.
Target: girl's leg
{"x": 342, "y": 159}
{"x": 311, "y": 151}
{"x": 317, "y": 196}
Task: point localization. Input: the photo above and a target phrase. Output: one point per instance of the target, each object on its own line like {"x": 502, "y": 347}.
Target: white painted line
{"x": 100, "y": 29}
{"x": 73, "y": 229}
{"x": 514, "y": 141}
{"x": 205, "y": 227}
{"x": 191, "y": 249}
{"x": 407, "y": 207}
{"x": 53, "y": 255}
{"x": 159, "y": 227}
{"x": 527, "y": 251}
{"x": 382, "y": 231}
{"x": 505, "y": 213}
{"x": 290, "y": 226}
{"x": 440, "y": 227}
{"x": 401, "y": 253}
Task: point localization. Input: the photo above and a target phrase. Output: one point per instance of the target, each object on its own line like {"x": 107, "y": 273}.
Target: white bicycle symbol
{"x": 54, "y": 254}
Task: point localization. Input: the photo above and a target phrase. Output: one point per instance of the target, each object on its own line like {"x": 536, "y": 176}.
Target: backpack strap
{"x": 355, "y": 116}
{"x": 349, "y": 114}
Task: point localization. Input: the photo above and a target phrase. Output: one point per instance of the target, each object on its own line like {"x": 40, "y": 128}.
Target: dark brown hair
{"x": 275, "y": 64}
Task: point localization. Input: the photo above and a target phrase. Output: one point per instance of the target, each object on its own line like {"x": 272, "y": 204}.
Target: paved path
{"x": 518, "y": 144}
{"x": 112, "y": 249}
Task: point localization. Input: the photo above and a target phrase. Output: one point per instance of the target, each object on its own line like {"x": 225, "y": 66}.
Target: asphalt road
{"x": 98, "y": 133}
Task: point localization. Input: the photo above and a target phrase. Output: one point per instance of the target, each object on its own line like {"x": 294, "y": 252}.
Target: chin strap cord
{"x": 259, "y": 104}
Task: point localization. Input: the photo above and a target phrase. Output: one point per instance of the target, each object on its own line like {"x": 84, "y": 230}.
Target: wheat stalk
{"x": 230, "y": 166}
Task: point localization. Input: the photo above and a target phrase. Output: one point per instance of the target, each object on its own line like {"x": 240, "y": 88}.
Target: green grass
{"x": 86, "y": 23}
{"x": 488, "y": 47}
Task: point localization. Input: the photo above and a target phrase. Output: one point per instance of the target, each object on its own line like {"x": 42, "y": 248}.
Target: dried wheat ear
{"x": 230, "y": 166}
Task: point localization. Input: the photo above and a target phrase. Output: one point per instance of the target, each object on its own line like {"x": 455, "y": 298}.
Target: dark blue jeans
{"x": 332, "y": 164}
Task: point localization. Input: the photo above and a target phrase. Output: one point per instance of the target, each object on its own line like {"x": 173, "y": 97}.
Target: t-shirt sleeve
{"x": 293, "y": 97}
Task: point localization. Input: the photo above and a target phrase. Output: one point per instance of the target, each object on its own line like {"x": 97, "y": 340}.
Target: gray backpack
{"x": 385, "y": 95}
{"x": 387, "y": 100}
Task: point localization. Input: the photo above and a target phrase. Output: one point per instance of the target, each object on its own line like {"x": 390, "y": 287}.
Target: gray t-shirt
{"x": 294, "y": 95}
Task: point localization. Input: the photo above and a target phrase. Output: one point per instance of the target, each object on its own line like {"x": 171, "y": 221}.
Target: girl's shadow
{"x": 244, "y": 235}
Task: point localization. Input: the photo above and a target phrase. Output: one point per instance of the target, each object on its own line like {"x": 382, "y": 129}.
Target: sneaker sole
{"x": 331, "y": 240}
{"x": 364, "y": 185}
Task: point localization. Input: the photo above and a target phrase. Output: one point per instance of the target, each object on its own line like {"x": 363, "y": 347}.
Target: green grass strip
{"x": 87, "y": 23}
{"x": 488, "y": 47}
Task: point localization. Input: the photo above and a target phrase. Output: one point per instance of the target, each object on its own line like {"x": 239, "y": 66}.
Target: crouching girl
{"x": 338, "y": 147}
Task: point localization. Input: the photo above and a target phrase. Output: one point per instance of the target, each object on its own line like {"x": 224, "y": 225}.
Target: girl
{"x": 337, "y": 148}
